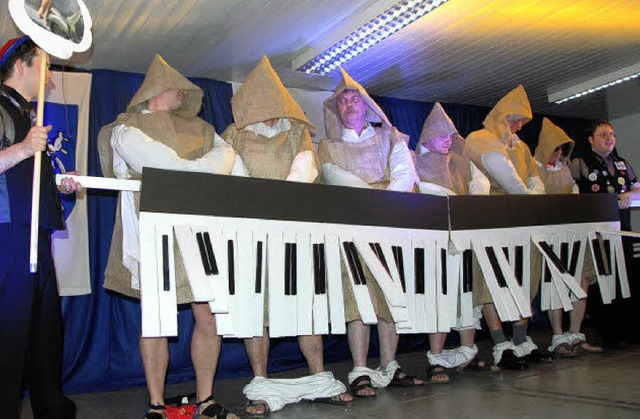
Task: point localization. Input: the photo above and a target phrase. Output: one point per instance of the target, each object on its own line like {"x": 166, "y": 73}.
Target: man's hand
{"x": 624, "y": 200}
{"x": 68, "y": 185}
{"x": 36, "y": 140}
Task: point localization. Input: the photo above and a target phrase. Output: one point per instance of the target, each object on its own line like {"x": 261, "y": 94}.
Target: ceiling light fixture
{"x": 595, "y": 84}
{"x": 380, "y": 27}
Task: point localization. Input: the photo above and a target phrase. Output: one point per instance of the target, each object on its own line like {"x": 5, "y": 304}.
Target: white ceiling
{"x": 467, "y": 51}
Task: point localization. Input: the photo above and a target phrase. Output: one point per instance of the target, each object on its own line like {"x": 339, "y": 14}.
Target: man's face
{"x": 171, "y": 100}
{"x": 516, "y": 125}
{"x": 352, "y": 109}
{"x": 32, "y": 75}
{"x": 440, "y": 145}
{"x": 603, "y": 140}
{"x": 556, "y": 154}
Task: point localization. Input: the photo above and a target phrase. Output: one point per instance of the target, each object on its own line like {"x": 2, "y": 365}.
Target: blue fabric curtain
{"x": 102, "y": 329}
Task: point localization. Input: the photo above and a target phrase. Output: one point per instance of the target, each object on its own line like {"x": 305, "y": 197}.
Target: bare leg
{"x": 437, "y": 372}
{"x": 436, "y": 342}
{"x": 491, "y": 317}
{"x": 258, "y": 354}
{"x": 155, "y": 359}
{"x": 467, "y": 337}
{"x": 555, "y": 318}
{"x": 579, "y": 309}
{"x": 388, "y": 342}
{"x": 311, "y": 347}
{"x": 205, "y": 349}
{"x": 358, "y": 337}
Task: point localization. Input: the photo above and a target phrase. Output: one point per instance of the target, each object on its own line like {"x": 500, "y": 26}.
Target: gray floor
{"x": 590, "y": 386}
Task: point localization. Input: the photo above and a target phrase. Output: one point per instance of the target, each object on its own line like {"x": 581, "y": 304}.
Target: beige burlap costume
{"x": 369, "y": 160}
{"x": 451, "y": 170}
{"x": 181, "y": 130}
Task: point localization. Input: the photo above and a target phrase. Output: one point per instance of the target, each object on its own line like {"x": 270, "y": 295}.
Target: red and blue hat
{"x": 9, "y": 47}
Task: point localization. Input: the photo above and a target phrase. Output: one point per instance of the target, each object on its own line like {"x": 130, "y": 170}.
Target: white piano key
{"x": 225, "y": 323}
{"x": 360, "y": 291}
{"x": 605, "y": 282}
{"x": 282, "y": 307}
{"x": 562, "y": 282}
{"x": 259, "y": 236}
{"x": 244, "y": 278}
{"x": 304, "y": 281}
{"x": 466, "y": 298}
{"x": 453, "y": 288}
{"x": 517, "y": 293}
{"x": 334, "y": 284}
{"x": 201, "y": 284}
{"x": 545, "y": 288}
{"x": 620, "y": 264}
{"x": 320, "y": 300}
{"x": 416, "y": 311}
{"x": 430, "y": 300}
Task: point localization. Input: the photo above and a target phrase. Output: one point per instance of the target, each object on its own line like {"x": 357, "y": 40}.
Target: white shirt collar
{"x": 550, "y": 167}
{"x": 263, "y": 129}
{"x": 351, "y": 136}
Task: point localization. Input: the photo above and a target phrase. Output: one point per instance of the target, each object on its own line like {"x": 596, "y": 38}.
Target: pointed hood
{"x": 438, "y": 124}
{"x": 262, "y": 96}
{"x": 332, "y": 121}
{"x": 513, "y": 106}
{"x": 552, "y": 136}
{"x": 161, "y": 77}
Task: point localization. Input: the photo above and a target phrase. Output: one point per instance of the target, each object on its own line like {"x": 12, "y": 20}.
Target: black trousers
{"x": 31, "y": 331}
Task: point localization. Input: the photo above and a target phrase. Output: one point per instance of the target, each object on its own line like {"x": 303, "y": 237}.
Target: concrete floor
{"x": 590, "y": 386}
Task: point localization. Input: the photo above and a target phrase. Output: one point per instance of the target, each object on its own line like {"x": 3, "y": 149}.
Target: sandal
{"x": 250, "y": 415}
{"x": 155, "y": 415}
{"x": 564, "y": 350}
{"x": 362, "y": 383}
{"x": 405, "y": 381}
{"x": 474, "y": 365}
{"x": 583, "y": 347}
{"x": 334, "y": 400}
{"x": 212, "y": 411}
{"x": 438, "y": 375}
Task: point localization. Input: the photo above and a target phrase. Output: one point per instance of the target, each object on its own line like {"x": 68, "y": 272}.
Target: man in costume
{"x": 443, "y": 168}
{"x": 160, "y": 129}
{"x": 507, "y": 162}
{"x": 272, "y": 140}
{"x": 602, "y": 170}
{"x": 552, "y": 156}
{"x": 357, "y": 154}
{"x": 31, "y": 332}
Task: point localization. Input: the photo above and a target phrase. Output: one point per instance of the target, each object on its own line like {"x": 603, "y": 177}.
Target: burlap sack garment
{"x": 552, "y": 136}
{"x": 189, "y": 136}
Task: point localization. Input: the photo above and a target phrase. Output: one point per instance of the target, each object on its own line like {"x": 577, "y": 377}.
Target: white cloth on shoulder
{"x": 278, "y": 392}
{"x": 380, "y": 378}
{"x": 452, "y": 358}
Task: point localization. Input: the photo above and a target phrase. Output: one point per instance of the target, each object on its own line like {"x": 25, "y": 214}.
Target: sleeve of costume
{"x": 303, "y": 168}
{"x": 578, "y": 169}
{"x": 139, "y": 150}
{"x": 239, "y": 168}
{"x": 479, "y": 183}
{"x": 535, "y": 185}
{"x": 503, "y": 171}
{"x": 336, "y": 175}
{"x": 631, "y": 173}
{"x": 403, "y": 172}
{"x": 434, "y": 189}
{"x": 575, "y": 189}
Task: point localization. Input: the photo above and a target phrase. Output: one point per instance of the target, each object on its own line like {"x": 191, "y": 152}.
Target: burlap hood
{"x": 160, "y": 78}
{"x": 514, "y": 106}
{"x": 552, "y": 136}
{"x": 438, "y": 124}
{"x": 332, "y": 121}
{"x": 262, "y": 96}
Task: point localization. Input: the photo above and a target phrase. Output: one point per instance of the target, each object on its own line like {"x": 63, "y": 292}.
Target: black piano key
{"x": 443, "y": 270}
{"x": 232, "y": 267}
{"x": 350, "y": 263}
{"x": 397, "y": 256}
{"x": 287, "y": 269}
{"x": 211, "y": 256}
{"x": 519, "y": 269}
{"x": 319, "y": 271}
{"x": 258, "y": 288}
{"x": 377, "y": 249}
{"x": 166, "y": 283}
{"x": 322, "y": 269}
{"x": 607, "y": 262}
{"x": 505, "y": 250}
{"x": 493, "y": 260}
{"x": 294, "y": 269}
{"x": 597, "y": 252}
{"x": 574, "y": 257}
{"x": 564, "y": 253}
{"x": 546, "y": 248}
{"x": 419, "y": 269}
{"x": 467, "y": 270}
{"x": 547, "y": 274}
{"x": 357, "y": 263}
{"x": 203, "y": 254}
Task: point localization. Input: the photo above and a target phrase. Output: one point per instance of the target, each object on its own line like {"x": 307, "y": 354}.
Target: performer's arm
{"x": 536, "y": 186}
{"x": 403, "y": 172}
{"x": 239, "y": 168}
{"x": 303, "y": 168}
{"x": 633, "y": 194}
{"x": 36, "y": 140}
{"x": 336, "y": 175}
{"x": 434, "y": 189}
{"x": 138, "y": 150}
{"x": 479, "y": 184}
{"x": 503, "y": 171}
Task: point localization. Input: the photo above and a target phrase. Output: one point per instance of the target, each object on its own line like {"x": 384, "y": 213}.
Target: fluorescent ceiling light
{"x": 595, "y": 84}
{"x": 380, "y": 27}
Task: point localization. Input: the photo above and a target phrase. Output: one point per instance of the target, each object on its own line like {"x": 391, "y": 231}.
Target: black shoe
{"x": 538, "y": 357}
{"x": 510, "y": 361}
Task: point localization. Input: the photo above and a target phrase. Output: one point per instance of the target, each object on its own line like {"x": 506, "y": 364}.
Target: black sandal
{"x": 439, "y": 375}
{"x": 256, "y": 415}
{"x": 213, "y": 411}
{"x": 361, "y": 383}
{"x": 406, "y": 381}
{"x": 154, "y": 415}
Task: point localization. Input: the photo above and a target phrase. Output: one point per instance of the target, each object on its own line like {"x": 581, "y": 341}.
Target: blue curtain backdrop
{"x": 102, "y": 329}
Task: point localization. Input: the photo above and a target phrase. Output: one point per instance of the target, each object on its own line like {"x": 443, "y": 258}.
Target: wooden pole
{"x": 37, "y": 161}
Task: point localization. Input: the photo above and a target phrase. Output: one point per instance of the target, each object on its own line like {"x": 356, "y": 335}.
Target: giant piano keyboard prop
{"x": 245, "y": 241}
{"x": 502, "y": 231}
